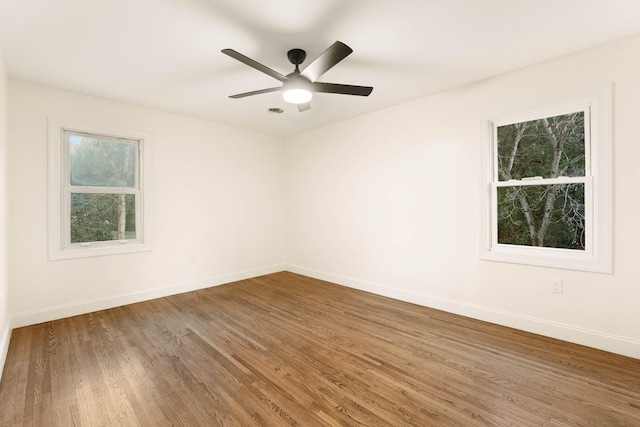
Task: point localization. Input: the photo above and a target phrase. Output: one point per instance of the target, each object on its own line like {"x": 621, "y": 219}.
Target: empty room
{"x": 319, "y": 213}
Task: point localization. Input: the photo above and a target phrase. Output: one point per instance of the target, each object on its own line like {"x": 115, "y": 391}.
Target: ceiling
{"x": 166, "y": 54}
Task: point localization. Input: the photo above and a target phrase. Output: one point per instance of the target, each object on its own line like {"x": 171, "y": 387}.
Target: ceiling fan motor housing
{"x": 296, "y": 56}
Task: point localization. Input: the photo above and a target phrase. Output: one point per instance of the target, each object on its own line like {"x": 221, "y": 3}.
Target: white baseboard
{"x": 88, "y": 306}
{"x": 591, "y": 338}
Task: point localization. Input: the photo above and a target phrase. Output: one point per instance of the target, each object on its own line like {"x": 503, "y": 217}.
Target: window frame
{"x": 597, "y": 255}
{"x": 60, "y": 190}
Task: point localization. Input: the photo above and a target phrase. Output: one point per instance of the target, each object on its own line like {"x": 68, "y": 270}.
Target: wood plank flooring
{"x": 287, "y": 350}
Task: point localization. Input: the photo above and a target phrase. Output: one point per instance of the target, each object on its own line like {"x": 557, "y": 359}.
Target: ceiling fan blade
{"x": 254, "y": 64}
{"x": 256, "y": 92}
{"x": 304, "y": 107}
{"x": 342, "y": 89}
{"x": 327, "y": 59}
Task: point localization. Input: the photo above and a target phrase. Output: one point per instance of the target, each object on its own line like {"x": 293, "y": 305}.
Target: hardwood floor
{"x": 285, "y": 349}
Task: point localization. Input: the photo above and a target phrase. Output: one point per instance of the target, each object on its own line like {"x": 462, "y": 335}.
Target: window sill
{"x": 88, "y": 251}
{"x": 548, "y": 257}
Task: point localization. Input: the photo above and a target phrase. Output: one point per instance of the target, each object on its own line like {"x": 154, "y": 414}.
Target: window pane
{"x": 549, "y": 147}
{"x": 101, "y": 161}
{"x": 100, "y": 217}
{"x": 523, "y": 218}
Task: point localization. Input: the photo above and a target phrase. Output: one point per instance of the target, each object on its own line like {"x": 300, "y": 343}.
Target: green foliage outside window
{"x": 566, "y": 222}
{"x": 97, "y": 217}
{"x": 549, "y": 215}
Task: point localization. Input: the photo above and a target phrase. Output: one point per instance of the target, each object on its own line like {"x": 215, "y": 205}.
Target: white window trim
{"x": 58, "y": 245}
{"x": 597, "y": 256}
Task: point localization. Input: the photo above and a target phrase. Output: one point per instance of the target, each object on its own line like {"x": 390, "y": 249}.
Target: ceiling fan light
{"x": 297, "y": 96}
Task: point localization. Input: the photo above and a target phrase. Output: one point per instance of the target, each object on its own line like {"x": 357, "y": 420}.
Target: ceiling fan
{"x": 298, "y": 86}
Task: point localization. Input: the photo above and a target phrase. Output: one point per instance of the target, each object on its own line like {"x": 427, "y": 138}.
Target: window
{"x": 98, "y": 203}
{"x": 549, "y": 188}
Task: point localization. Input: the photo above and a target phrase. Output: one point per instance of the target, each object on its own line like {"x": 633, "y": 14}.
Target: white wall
{"x": 390, "y": 203}
{"x": 5, "y": 328}
{"x": 217, "y": 208}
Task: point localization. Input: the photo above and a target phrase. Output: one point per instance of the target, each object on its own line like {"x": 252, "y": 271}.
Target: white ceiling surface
{"x": 166, "y": 53}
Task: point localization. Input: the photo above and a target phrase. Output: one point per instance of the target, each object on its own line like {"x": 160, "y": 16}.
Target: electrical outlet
{"x": 556, "y": 286}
